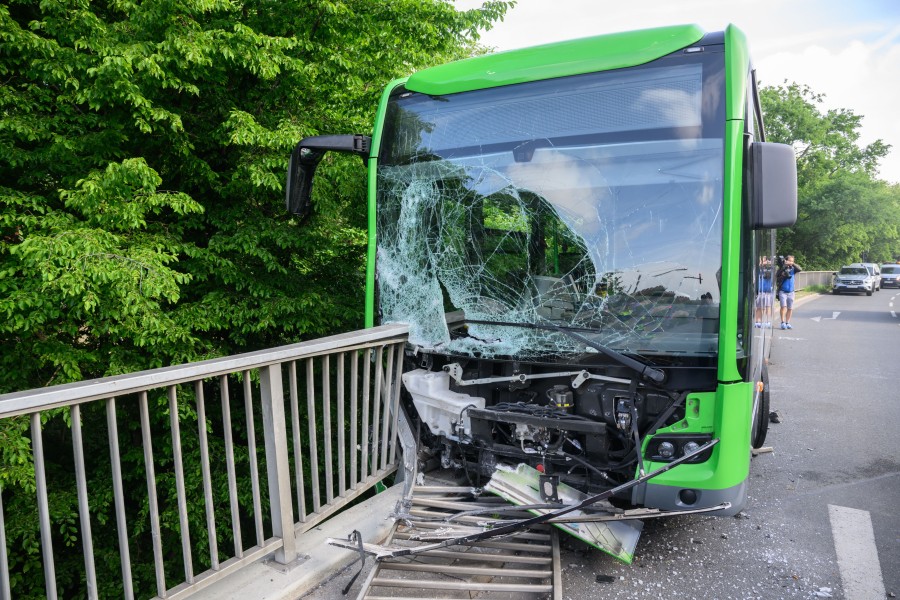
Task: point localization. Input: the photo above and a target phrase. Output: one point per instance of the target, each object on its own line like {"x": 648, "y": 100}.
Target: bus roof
{"x": 560, "y": 59}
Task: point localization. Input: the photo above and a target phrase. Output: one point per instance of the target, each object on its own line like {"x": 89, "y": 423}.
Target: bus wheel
{"x": 761, "y": 418}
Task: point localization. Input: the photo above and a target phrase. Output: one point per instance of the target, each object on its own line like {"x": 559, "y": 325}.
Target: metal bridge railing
{"x": 326, "y": 411}
{"x": 808, "y": 278}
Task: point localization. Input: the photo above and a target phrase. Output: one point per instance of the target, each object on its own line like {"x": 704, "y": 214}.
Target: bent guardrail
{"x": 319, "y": 455}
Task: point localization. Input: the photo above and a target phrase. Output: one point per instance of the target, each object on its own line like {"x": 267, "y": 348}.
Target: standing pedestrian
{"x": 785, "y": 280}
{"x": 764, "y": 293}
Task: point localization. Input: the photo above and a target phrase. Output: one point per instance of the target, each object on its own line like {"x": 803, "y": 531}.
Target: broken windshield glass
{"x": 592, "y": 202}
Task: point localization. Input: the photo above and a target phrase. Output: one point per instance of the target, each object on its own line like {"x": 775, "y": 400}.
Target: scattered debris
{"x": 775, "y": 416}
{"x": 521, "y": 486}
{"x": 763, "y": 450}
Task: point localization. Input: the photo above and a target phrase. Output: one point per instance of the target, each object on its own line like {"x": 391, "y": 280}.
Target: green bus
{"x": 578, "y": 235}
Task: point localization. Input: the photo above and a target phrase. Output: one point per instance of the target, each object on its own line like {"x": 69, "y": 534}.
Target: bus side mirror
{"x": 304, "y": 160}
{"x": 773, "y": 173}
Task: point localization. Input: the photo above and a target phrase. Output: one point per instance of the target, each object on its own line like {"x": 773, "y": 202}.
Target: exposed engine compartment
{"x": 575, "y": 425}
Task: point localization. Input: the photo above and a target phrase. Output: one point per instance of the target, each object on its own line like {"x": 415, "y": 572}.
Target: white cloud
{"x": 864, "y": 78}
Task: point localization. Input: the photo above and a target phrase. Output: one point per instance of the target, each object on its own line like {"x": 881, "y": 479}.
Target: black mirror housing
{"x": 773, "y": 185}
{"x": 306, "y": 157}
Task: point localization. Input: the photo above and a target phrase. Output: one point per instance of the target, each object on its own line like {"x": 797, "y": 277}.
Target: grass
{"x": 813, "y": 289}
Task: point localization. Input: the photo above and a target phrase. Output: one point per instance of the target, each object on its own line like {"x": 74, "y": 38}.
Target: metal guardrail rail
{"x": 808, "y": 278}
{"x": 319, "y": 455}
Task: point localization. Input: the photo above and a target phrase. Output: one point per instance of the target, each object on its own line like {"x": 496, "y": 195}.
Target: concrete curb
{"x": 319, "y": 563}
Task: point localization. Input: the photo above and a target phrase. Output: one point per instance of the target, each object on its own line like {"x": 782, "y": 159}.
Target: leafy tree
{"x": 844, "y": 212}
{"x": 849, "y": 218}
{"x": 142, "y": 152}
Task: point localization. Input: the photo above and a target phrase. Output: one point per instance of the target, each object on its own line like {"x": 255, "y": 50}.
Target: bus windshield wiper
{"x": 641, "y": 368}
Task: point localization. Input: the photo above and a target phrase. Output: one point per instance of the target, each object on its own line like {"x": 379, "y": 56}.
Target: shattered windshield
{"x": 591, "y": 202}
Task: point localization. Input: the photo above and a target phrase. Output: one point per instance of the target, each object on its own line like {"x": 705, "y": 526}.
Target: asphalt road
{"x": 835, "y": 381}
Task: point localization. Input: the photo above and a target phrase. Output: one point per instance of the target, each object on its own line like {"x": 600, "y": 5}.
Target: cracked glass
{"x": 591, "y": 203}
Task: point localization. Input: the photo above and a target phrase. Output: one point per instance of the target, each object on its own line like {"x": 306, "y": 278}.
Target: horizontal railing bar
{"x": 18, "y": 403}
{"x": 471, "y": 586}
{"x": 437, "y": 568}
{"x": 515, "y": 546}
{"x": 464, "y": 555}
{"x": 206, "y": 579}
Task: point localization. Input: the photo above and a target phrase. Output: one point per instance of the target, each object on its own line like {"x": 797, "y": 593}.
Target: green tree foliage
{"x": 845, "y": 213}
{"x": 142, "y": 155}
{"x": 143, "y": 148}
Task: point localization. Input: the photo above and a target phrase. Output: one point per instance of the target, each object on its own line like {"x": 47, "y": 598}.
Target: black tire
{"x": 760, "y": 425}
{"x": 836, "y": 292}
{"x": 869, "y": 293}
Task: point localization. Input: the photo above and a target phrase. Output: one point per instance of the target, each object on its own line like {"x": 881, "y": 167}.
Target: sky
{"x": 847, "y": 50}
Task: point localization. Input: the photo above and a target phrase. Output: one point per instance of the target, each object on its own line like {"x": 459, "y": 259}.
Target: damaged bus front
{"x": 575, "y": 234}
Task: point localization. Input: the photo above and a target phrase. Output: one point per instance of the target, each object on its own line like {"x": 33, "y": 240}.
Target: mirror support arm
{"x": 306, "y": 157}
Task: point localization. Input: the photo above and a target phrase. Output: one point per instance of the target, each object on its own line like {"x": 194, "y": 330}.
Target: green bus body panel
{"x": 373, "y": 196}
{"x": 737, "y": 67}
{"x": 574, "y": 57}
{"x": 725, "y": 414}
{"x": 731, "y": 247}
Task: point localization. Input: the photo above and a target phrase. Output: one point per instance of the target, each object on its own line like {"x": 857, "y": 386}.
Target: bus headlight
{"x": 666, "y": 450}
{"x": 668, "y": 447}
{"x": 689, "y": 447}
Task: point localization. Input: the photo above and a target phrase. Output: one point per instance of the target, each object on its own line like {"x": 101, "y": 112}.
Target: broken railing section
{"x": 572, "y": 514}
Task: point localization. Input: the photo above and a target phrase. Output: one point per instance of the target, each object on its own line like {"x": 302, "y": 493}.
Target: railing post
{"x": 43, "y": 506}
{"x": 4, "y": 558}
{"x": 275, "y": 432}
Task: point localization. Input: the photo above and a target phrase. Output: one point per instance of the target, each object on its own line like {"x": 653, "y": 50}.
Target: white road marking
{"x": 857, "y": 556}
{"x": 834, "y": 315}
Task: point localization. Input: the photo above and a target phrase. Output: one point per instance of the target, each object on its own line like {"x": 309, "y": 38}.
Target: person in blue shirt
{"x": 764, "y": 293}
{"x": 785, "y": 280}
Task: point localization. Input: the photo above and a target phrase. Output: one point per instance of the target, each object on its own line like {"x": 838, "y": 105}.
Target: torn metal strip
{"x": 521, "y": 486}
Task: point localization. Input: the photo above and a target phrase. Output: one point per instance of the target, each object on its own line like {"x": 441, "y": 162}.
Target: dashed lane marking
{"x": 857, "y": 555}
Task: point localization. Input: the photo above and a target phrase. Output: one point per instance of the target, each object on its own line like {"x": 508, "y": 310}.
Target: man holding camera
{"x": 785, "y": 280}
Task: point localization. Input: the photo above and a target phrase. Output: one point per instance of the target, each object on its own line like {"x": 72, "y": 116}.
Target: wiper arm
{"x": 642, "y": 369}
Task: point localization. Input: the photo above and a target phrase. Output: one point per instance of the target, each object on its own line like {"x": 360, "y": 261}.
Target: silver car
{"x": 853, "y": 278}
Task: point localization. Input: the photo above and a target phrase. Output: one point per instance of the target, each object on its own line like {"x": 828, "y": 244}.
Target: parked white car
{"x": 874, "y": 271}
{"x": 890, "y": 275}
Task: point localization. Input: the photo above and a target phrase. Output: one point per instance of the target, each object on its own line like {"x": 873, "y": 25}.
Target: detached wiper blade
{"x": 642, "y": 369}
